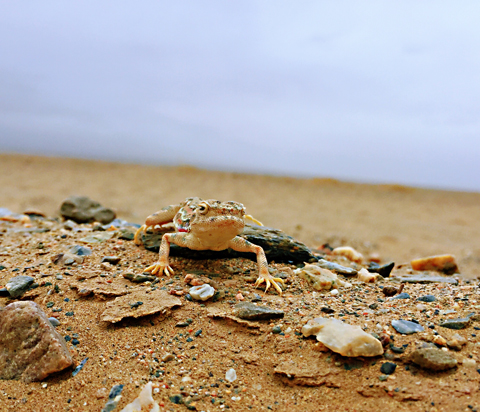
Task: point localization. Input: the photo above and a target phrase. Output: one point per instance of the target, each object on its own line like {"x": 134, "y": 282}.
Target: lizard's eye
{"x": 203, "y": 208}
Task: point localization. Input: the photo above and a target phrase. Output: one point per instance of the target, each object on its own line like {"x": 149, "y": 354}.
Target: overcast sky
{"x": 371, "y": 91}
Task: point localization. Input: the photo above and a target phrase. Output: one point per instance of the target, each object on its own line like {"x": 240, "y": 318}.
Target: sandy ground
{"x": 394, "y": 222}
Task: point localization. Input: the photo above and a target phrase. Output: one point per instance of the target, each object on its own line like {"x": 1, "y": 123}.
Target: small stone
{"x": 54, "y": 321}
{"x": 256, "y": 298}
{"x": 139, "y": 278}
{"x": 406, "y": 327}
{"x": 168, "y": 357}
{"x": 82, "y": 209}
{"x": 456, "y": 342}
{"x": 67, "y": 259}
{"x": 18, "y": 285}
{"x": 383, "y": 378}
{"x": 319, "y": 278}
{"x": 458, "y": 323}
{"x": 113, "y": 260}
{"x": 433, "y": 359}
{"x": 113, "y": 398}
{"x": 4, "y": 293}
{"x": 176, "y": 399}
{"x": 348, "y": 252}
{"x": 388, "y": 368}
{"x": 441, "y": 263}
{"x": 80, "y": 250}
{"x": 342, "y": 338}
{"x": 425, "y": 278}
{"x": 427, "y": 298}
{"x": 30, "y": 347}
{"x": 365, "y": 276}
{"x": 327, "y": 310}
{"x": 202, "y": 292}
{"x": 250, "y": 311}
{"x": 276, "y": 329}
{"x": 144, "y": 401}
{"x": 402, "y": 296}
{"x": 231, "y": 375}
{"x": 79, "y": 367}
{"x": 98, "y": 237}
{"x": 70, "y": 313}
{"x": 335, "y": 267}
{"x": 383, "y": 270}
{"x": 392, "y": 290}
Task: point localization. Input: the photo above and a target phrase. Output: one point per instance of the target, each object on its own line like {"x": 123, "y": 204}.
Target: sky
{"x": 370, "y": 91}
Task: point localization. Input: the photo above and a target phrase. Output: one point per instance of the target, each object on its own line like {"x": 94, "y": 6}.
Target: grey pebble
{"x": 427, "y": 298}
{"x": 250, "y": 311}
{"x": 433, "y": 359}
{"x": 406, "y": 327}
{"x": 54, "y": 321}
{"x": 458, "y": 323}
{"x": 18, "y": 285}
{"x": 401, "y": 296}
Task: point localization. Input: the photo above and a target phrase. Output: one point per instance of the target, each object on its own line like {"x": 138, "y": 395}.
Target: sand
{"x": 395, "y": 223}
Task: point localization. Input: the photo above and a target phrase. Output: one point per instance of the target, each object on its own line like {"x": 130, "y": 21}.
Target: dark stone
{"x": 18, "y": 285}
{"x": 406, "y": 327}
{"x": 4, "y": 293}
{"x": 433, "y": 359}
{"x": 383, "y": 270}
{"x": 176, "y": 399}
{"x": 276, "y": 244}
{"x": 373, "y": 306}
{"x": 402, "y": 296}
{"x": 335, "y": 267}
{"x": 256, "y": 297}
{"x": 326, "y": 309}
{"x": 82, "y": 209}
{"x": 113, "y": 260}
{"x": 458, "y": 323}
{"x": 396, "y": 349}
{"x": 198, "y": 333}
{"x": 427, "y": 298}
{"x": 276, "y": 329}
{"x": 388, "y": 368}
{"x": 250, "y": 311}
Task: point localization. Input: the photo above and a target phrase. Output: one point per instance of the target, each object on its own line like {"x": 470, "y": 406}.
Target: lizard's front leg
{"x": 162, "y": 265}
{"x": 242, "y": 245}
{"x": 161, "y": 217}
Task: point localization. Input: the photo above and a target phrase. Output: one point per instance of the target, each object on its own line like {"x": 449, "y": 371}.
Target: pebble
{"x": 80, "y": 250}
{"x": 342, "y": 338}
{"x": 138, "y": 278}
{"x": 54, "y": 321}
{"x": 79, "y": 367}
{"x": 144, "y": 401}
{"x": 167, "y": 357}
{"x": 113, "y": 398}
{"x": 392, "y": 290}
{"x": 67, "y": 259}
{"x": 426, "y": 278}
{"x": 256, "y": 298}
{"x": 335, "y": 267}
{"x": 365, "y": 276}
{"x": 456, "y": 342}
{"x": 401, "y": 296}
{"x": 231, "y": 375}
{"x": 406, "y": 327}
{"x": 348, "y": 252}
{"x": 18, "y": 285}
{"x": 427, "y": 298}
{"x": 250, "y": 311}
{"x": 383, "y": 270}
{"x": 202, "y": 292}
{"x": 317, "y": 277}
{"x": 440, "y": 263}
{"x": 433, "y": 359}
{"x": 458, "y": 323}
{"x": 113, "y": 260}
{"x": 276, "y": 329}
{"x": 82, "y": 209}
{"x": 388, "y": 368}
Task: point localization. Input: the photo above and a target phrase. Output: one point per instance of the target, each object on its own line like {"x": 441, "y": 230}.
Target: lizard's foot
{"x": 160, "y": 267}
{"x": 270, "y": 280}
{"x": 136, "y": 239}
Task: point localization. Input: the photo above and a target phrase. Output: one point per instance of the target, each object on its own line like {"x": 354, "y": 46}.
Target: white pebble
{"x": 202, "y": 292}
{"x": 231, "y": 375}
{"x": 334, "y": 292}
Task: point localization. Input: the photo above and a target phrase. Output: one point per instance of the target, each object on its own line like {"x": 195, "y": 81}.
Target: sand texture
{"x": 277, "y": 372}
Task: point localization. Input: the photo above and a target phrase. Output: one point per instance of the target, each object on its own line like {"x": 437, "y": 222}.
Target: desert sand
{"x": 391, "y": 222}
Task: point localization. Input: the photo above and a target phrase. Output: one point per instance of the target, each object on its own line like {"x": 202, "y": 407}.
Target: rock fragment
{"x": 335, "y": 267}
{"x": 30, "y": 347}
{"x": 425, "y": 278}
{"x": 320, "y": 278}
{"x": 144, "y": 402}
{"x": 139, "y": 278}
{"x": 342, "y": 338}
{"x": 348, "y": 252}
{"x": 433, "y": 359}
{"x": 457, "y": 323}
{"x": 18, "y": 285}
{"x": 113, "y": 398}
{"x": 153, "y": 302}
{"x": 427, "y": 298}
{"x": 383, "y": 270}
{"x": 406, "y": 327}
{"x": 392, "y": 290}
{"x": 82, "y": 209}
{"x": 441, "y": 263}
{"x": 250, "y": 311}
{"x": 365, "y": 276}
{"x": 202, "y": 292}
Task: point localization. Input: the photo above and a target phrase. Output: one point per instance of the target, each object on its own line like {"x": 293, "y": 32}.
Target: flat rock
{"x": 433, "y": 359}
{"x": 343, "y": 338}
{"x": 441, "y": 263}
{"x": 457, "y": 323}
{"x": 335, "y": 267}
{"x": 100, "y": 289}
{"x": 427, "y": 298}
{"x": 30, "y": 347}
{"x": 304, "y": 374}
{"x": 425, "y": 278}
{"x": 276, "y": 244}
{"x": 139, "y": 277}
{"x": 250, "y": 311}
{"x": 138, "y": 304}
{"x": 82, "y": 209}
{"x": 406, "y": 327}
{"x": 18, "y": 285}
